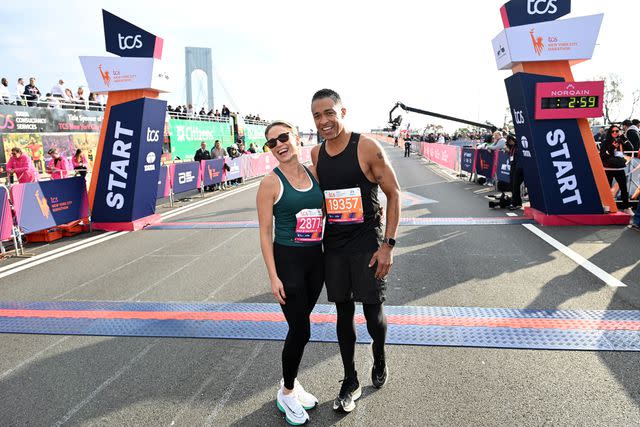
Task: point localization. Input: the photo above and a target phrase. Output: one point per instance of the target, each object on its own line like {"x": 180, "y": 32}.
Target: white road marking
{"x": 577, "y": 258}
{"x": 105, "y": 384}
{"x": 229, "y": 391}
{"x": 10, "y": 371}
{"x": 512, "y": 214}
{"x": 236, "y": 274}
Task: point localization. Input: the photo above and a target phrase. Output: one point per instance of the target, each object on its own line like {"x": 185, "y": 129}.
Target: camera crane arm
{"x": 396, "y": 122}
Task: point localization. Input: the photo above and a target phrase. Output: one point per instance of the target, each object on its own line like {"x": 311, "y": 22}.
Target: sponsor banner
{"x": 110, "y": 74}
{"x": 568, "y": 39}
{"x": 185, "y": 177}
{"x": 254, "y": 134}
{"x": 444, "y": 155}
{"x": 304, "y": 155}
{"x": 19, "y": 119}
{"x": 6, "y": 221}
{"x": 503, "y": 170}
{"x": 127, "y": 183}
{"x": 234, "y": 171}
{"x": 634, "y": 171}
{"x": 486, "y": 163}
{"x": 125, "y": 39}
{"x": 468, "y": 160}
{"x": 186, "y": 136}
{"x": 525, "y": 12}
{"x": 46, "y": 204}
{"x": 212, "y": 171}
{"x": 163, "y": 182}
{"x": 554, "y": 159}
{"x": 261, "y": 164}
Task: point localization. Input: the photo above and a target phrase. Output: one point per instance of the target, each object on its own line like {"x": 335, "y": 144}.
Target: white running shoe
{"x": 293, "y": 411}
{"x": 306, "y": 399}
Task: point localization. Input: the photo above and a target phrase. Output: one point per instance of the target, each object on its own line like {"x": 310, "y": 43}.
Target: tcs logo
{"x": 125, "y": 42}
{"x": 541, "y": 7}
{"x": 153, "y": 135}
{"x": 7, "y": 122}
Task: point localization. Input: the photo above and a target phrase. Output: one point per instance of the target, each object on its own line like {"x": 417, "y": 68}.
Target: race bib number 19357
{"x": 309, "y": 225}
{"x": 344, "y": 206}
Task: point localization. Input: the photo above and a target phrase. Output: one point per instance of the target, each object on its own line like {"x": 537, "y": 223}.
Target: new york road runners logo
{"x": 538, "y": 46}
{"x": 105, "y": 76}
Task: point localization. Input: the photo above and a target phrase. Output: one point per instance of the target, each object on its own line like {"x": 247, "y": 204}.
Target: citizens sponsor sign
{"x": 19, "y": 119}
{"x": 109, "y": 74}
{"x": 45, "y": 204}
{"x": 186, "y": 136}
{"x": 571, "y": 39}
{"x": 125, "y": 39}
{"x": 129, "y": 168}
{"x": 553, "y": 155}
{"x": 525, "y": 12}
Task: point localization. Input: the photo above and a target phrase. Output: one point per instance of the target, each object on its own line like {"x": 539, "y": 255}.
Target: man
{"x": 350, "y": 169}
{"x": 516, "y": 174}
{"x": 217, "y": 152}
{"x": 20, "y": 91}
{"x": 225, "y": 111}
{"x": 32, "y": 93}
{"x": 58, "y": 90}
{"x": 203, "y": 154}
{"x": 5, "y": 95}
{"x": 601, "y": 135}
{"x": 407, "y": 147}
{"x": 499, "y": 142}
{"x": 631, "y": 132}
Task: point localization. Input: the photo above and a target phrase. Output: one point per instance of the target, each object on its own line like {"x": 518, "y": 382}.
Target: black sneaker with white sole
{"x": 349, "y": 393}
{"x": 379, "y": 373}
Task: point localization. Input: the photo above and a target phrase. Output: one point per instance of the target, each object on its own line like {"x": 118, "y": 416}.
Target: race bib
{"x": 344, "y": 206}
{"x": 309, "y": 225}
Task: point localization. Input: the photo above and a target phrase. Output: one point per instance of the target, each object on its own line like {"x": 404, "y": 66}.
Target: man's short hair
{"x": 627, "y": 123}
{"x": 327, "y": 93}
{"x": 636, "y": 122}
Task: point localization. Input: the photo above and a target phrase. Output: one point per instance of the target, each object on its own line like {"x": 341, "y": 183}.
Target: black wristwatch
{"x": 389, "y": 241}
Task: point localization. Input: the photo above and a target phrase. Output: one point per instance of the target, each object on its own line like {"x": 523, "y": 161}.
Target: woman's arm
{"x": 267, "y": 193}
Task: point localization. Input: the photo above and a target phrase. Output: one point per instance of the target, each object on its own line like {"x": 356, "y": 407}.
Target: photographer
{"x": 516, "y": 174}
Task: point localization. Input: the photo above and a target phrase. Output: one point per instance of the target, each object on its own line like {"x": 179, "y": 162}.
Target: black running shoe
{"x": 379, "y": 373}
{"x": 349, "y": 393}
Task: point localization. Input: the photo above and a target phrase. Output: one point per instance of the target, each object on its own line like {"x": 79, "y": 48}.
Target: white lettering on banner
{"x": 578, "y": 92}
{"x": 185, "y": 177}
{"x": 533, "y": 7}
{"x": 153, "y": 135}
{"x": 567, "y": 183}
{"x": 123, "y": 42}
{"x": 518, "y": 116}
{"x": 119, "y": 167}
{"x": 188, "y": 133}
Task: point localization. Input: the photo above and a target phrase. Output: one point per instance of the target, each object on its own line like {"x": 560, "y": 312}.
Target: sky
{"x": 270, "y": 57}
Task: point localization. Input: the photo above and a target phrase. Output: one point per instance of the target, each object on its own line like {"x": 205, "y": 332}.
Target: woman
{"x": 615, "y": 163}
{"x": 80, "y": 164}
{"x": 22, "y": 166}
{"x": 57, "y": 166}
{"x": 291, "y": 194}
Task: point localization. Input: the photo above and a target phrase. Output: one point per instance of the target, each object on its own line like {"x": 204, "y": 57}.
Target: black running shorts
{"x": 349, "y": 278}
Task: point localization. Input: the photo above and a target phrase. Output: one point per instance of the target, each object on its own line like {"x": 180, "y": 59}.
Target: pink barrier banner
{"x": 261, "y": 164}
{"x": 304, "y": 155}
{"x": 444, "y": 155}
{"x": 5, "y": 215}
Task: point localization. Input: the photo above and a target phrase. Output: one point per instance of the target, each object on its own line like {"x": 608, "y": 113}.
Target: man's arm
{"x": 382, "y": 172}
{"x": 314, "y": 155}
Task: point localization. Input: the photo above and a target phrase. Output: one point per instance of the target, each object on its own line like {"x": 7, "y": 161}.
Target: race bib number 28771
{"x": 344, "y": 206}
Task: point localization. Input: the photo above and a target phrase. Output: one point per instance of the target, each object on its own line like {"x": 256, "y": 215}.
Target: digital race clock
{"x": 569, "y": 100}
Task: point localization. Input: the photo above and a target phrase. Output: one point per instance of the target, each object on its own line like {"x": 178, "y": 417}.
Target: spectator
{"x": 217, "y": 113}
{"x": 252, "y": 148}
{"x": 202, "y": 112}
{"x": 57, "y": 166}
{"x": 81, "y": 102}
{"x": 5, "y": 95}
{"x": 516, "y": 173}
{"x": 217, "y": 152}
{"x": 499, "y": 142}
{"x": 94, "y": 105}
{"x": 225, "y": 111}
{"x": 36, "y": 153}
{"x": 232, "y": 151}
{"x": 69, "y": 100}
{"x": 52, "y": 101}
{"x": 631, "y": 132}
{"x": 58, "y": 90}
{"x": 241, "y": 148}
{"x": 202, "y": 153}
{"x": 407, "y": 148}
{"x": 190, "y": 111}
{"x": 32, "y": 93}
{"x": 601, "y": 135}
{"x": 20, "y": 91}
{"x": 265, "y": 149}
{"x": 615, "y": 163}
{"x": 80, "y": 163}
{"x": 441, "y": 139}
{"x": 22, "y": 166}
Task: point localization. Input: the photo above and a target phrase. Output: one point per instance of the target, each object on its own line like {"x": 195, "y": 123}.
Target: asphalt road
{"x": 77, "y": 380}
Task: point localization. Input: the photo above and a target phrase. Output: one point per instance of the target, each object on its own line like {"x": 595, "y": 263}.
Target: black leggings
{"x": 301, "y": 270}
{"x": 346, "y": 328}
{"x": 621, "y": 178}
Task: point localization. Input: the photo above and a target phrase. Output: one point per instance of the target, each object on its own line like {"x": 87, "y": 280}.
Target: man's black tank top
{"x": 343, "y": 171}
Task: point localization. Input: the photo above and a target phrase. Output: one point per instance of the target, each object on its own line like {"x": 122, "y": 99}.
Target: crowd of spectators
{"x": 59, "y": 96}
{"x": 188, "y": 112}
{"x": 219, "y": 152}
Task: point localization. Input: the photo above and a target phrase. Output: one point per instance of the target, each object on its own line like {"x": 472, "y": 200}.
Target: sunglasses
{"x": 615, "y": 131}
{"x": 283, "y": 137}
